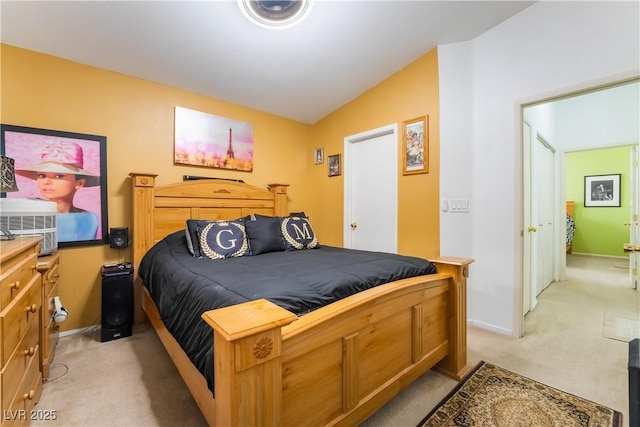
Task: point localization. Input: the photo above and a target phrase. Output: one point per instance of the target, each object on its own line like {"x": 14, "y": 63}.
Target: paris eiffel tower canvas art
{"x": 203, "y": 139}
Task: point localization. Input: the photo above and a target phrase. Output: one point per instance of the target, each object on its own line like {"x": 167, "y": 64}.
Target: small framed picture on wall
{"x": 415, "y": 146}
{"x": 318, "y": 156}
{"x": 334, "y": 165}
{"x": 602, "y": 191}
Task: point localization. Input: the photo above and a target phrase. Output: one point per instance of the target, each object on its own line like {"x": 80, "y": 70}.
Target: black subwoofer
{"x": 117, "y": 301}
{"x": 119, "y": 237}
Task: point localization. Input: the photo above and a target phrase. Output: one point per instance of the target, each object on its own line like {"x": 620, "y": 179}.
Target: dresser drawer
{"x": 48, "y": 350}
{"x": 28, "y": 393}
{"x": 49, "y": 333}
{"x": 16, "y": 318}
{"x": 50, "y": 276}
{"x": 48, "y": 306}
{"x": 17, "y": 368}
{"x": 15, "y": 274}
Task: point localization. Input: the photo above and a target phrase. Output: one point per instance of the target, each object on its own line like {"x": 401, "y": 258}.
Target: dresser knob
{"x": 15, "y": 285}
{"x": 30, "y": 395}
{"x": 30, "y": 352}
{"x": 32, "y": 308}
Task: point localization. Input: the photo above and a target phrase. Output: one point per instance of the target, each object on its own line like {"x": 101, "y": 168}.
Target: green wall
{"x": 599, "y": 230}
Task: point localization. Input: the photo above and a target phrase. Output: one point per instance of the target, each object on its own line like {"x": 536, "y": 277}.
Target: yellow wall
{"x": 136, "y": 116}
{"x": 410, "y": 93}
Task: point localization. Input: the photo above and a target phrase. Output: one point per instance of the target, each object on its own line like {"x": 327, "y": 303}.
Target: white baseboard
{"x": 600, "y": 256}
{"x": 77, "y": 331}
{"x": 490, "y": 327}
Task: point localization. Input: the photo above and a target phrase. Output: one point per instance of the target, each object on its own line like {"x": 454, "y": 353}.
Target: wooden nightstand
{"x": 20, "y": 305}
{"x": 48, "y": 266}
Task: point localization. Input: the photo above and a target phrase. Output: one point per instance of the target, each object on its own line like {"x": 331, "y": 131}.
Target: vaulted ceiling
{"x": 303, "y": 73}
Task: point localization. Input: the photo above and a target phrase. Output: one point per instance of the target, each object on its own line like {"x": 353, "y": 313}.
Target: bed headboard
{"x": 159, "y": 211}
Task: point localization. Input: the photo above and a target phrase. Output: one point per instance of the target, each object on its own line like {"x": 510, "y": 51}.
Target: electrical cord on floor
{"x": 52, "y": 367}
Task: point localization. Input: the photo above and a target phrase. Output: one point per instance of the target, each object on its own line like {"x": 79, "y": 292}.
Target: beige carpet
{"x": 126, "y": 382}
{"x": 132, "y": 382}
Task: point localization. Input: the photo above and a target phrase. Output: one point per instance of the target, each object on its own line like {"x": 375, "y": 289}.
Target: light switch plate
{"x": 459, "y": 205}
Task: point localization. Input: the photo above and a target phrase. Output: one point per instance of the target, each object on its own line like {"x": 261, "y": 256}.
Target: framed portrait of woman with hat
{"x": 66, "y": 168}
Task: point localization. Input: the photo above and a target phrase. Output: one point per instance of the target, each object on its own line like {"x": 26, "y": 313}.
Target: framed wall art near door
{"x": 67, "y": 168}
{"x": 415, "y": 146}
{"x": 335, "y": 168}
{"x": 602, "y": 190}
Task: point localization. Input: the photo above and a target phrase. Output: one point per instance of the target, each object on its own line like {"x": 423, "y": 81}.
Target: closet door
{"x": 371, "y": 197}
{"x": 545, "y": 159}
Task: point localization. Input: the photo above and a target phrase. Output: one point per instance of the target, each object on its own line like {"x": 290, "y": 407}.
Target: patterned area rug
{"x": 494, "y": 397}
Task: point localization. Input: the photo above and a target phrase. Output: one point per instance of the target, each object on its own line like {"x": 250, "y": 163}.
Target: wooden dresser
{"x": 20, "y": 304}
{"x": 48, "y": 268}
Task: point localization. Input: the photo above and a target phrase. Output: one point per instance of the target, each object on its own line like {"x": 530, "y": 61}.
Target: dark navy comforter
{"x": 183, "y": 287}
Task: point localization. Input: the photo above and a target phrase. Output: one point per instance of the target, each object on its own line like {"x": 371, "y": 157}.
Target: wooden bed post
{"x": 142, "y": 234}
{"x": 455, "y": 364}
{"x": 281, "y": 207}
{"x": 247, "y": 343}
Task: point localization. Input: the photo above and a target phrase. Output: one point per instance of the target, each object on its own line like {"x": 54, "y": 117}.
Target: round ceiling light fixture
{"x": 276, "y": 14}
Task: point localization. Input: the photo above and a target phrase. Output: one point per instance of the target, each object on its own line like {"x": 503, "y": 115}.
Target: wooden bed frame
{"x": 334, "y": 366}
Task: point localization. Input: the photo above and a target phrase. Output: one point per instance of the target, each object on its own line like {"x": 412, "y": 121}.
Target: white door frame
{"x": 391, "y": 129}
{"x": 526, "y": 302}
{"x": 521, "y": 203}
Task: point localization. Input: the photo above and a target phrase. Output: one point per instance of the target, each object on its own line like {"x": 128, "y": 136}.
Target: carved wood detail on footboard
{"x": 247, "y": 366}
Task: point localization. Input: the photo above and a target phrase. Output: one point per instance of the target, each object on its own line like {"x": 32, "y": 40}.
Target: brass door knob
{"x": 532, "y": 229}
{"x": 354, "y": 225}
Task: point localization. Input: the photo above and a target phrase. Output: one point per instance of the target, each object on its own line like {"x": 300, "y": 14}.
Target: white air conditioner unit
{"x": 30, "y": 217}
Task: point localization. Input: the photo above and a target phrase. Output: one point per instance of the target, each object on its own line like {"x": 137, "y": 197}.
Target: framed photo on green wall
{"x": 602, "y": 191}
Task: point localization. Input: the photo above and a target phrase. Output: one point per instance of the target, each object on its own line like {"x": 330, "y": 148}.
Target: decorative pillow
{"x": 191, "y": 235}
{"x": 222, "y": 239}
{"x": 264, "y": 234}
{"x": 297, "y": 233}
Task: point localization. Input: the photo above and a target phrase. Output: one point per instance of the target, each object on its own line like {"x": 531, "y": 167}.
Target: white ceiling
{"x": 303, "y": 73}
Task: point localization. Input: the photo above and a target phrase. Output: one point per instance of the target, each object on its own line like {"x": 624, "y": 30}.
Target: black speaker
{"x": 119, "y": 237}
{"x": 117, "y": 301}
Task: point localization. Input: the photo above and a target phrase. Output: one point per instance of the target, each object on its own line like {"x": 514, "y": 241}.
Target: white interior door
{"x": 546, "y": 208}
{"x": 545, "y": 187}
{"x": 370, "y": 168}
{"x": 634, "y": 232}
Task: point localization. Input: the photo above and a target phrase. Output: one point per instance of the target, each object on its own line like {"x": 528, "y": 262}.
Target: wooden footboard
{"x": 339, "y": 364}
